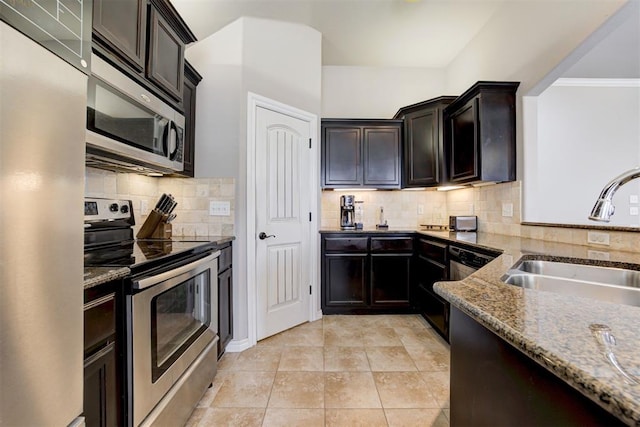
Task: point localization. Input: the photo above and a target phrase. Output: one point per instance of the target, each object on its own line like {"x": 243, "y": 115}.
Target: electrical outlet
{"x": 144, "y": 207}
{"x": 218, "y": 208}
{"x": 507, "y": 209}
{"x": 470, "y": 208}
{"x": 598, "y": 255}
{"x": 420, "y": 209}
{"x": 633, "y": 210}
{"x": 598, "y": 238}
{"x": 633, "y": 199}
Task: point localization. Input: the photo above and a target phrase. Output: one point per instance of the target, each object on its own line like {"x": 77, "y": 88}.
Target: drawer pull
{"x": 102, "y": 300}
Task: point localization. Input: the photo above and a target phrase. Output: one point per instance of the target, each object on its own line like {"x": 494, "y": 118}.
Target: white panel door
{"x": 282, "y": 212}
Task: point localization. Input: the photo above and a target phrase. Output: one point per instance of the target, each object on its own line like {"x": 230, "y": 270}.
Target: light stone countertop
{"x": 94, "y": 276}
{"x": 550, "y": 328}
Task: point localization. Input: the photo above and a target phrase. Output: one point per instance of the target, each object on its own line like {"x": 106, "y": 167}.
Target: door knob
{"x": 264, "y": 235}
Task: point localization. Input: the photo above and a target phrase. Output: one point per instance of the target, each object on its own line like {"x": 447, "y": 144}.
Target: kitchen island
{"x": 550, "y": 329}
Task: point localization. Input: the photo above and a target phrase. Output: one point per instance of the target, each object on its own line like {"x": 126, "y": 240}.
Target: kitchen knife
{"x": 173, "y": 206}
{"x": 161, "y": 201}
{"x": 165, "y": 205}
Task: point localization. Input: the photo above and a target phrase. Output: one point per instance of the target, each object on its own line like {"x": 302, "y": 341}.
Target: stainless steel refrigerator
{"x": 42, "y": 127}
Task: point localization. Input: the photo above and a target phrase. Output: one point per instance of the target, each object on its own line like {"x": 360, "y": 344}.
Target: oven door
{"x": 171, "y": 321}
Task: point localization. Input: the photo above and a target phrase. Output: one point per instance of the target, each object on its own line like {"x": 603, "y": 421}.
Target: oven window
{"x": 117, "y": 116}
{"x": 179, "y": 316}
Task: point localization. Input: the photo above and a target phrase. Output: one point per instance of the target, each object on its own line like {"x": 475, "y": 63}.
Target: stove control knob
{"x": 124, "y": 209}
{"x": 113, "y": 207}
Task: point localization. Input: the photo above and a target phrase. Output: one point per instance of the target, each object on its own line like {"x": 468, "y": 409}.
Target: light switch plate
{"x": 633, "y": 199}
{"x": 219, "y": 208}
{"x": 633, "y": 210}
{"x": 144, "y": 207}
{"x": 420, "y": 209}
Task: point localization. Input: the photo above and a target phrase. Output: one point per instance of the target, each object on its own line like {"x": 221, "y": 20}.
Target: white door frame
{"x": 255, "y": 101}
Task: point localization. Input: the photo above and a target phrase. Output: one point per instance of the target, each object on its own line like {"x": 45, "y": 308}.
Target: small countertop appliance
{"x": 347, "y": 210}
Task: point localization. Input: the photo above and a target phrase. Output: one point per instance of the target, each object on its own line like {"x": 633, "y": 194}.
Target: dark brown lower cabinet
{"x": 431, "y": 267}
{"x": 102, "y": 363}
{"x": 345, "y": 284}
{"x": 366, "y": 273}
{"x": 225, "y": 298}
{"x": 390, "y": 280}
{"x": 100, "y": 390}
{"x": 494, "y": 384}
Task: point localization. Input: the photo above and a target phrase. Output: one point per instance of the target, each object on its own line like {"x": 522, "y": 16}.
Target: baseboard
{"x": 236, "y": 346}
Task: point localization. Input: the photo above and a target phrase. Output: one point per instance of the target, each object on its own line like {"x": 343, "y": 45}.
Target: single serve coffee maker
{"x": 347, "y": 210}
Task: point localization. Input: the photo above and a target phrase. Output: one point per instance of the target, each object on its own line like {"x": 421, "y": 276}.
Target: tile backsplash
{"x": 409, "y": 209}
{"x": 402, "y": 209}
{"x": 193, "y": 197}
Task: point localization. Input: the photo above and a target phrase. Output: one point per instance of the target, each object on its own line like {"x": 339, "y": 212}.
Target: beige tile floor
{"x": 386, "y": 370}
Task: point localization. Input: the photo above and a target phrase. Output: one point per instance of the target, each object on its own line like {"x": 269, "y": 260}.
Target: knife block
{"x": 162, "y": 231}
{"x": 155, "y": 227}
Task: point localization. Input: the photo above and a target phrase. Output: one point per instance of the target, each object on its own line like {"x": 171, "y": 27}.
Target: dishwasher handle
{"x": 468, "y": 257}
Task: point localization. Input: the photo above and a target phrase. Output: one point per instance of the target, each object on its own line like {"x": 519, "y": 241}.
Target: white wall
{"x": 377, "y": 92}
{"x": 219, "y": 60}
{"x": 278, "y": 60}
{"x": 581, "y": 125}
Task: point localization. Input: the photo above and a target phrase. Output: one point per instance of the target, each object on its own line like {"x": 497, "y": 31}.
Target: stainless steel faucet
{"x": 603, "y": 209}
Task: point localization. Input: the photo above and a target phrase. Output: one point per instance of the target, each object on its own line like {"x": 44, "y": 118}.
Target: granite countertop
{"x": 367, "y": 230}
{"x": 550, "y": 328}
{"x": 218, "y": 240}
{"x": 94, "y": 276}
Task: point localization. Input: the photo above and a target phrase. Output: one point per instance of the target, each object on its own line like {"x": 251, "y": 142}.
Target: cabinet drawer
{"x": 224, "y": 261}
{"x": 433, "y": 250}
{"x": 346, "y": 244}
{"x": 391, "y": 244}
{"x": 99, "y": 321}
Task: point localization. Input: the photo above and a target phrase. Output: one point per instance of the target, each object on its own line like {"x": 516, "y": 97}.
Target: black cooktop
{"x": 141, "y": 255}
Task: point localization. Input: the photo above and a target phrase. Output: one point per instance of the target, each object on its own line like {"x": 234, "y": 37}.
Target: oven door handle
{"x": 158, "y": 278}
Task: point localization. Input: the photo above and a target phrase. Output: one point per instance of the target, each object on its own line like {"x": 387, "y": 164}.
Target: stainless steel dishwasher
{"x": 464, "y": 262}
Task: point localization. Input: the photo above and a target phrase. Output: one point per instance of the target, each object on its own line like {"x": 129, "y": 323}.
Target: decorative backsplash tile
{"x": 193, "y": 197}
{"x": 402, "y": 211}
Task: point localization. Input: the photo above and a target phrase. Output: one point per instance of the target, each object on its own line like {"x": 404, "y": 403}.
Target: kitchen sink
{"x": 618, "y": 285}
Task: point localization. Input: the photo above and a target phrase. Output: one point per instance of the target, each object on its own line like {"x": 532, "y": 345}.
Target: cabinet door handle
{"x": 264, "y": 235}
{"x": 88, "y": 361}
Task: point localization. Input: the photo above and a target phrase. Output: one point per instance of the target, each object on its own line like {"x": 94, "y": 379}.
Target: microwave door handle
{"x": 165, "y": 139}
{"x": 173, "y": 145}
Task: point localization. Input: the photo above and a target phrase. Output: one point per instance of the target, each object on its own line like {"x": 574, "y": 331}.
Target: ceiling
{"x": 403, "y": 33}
{"x": 396, "y": 33}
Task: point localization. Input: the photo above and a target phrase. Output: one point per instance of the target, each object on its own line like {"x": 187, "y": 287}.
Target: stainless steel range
{"x": 170, "y": 323}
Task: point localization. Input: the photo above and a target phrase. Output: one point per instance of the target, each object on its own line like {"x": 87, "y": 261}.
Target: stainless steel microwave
{"x": 129, "y": 128}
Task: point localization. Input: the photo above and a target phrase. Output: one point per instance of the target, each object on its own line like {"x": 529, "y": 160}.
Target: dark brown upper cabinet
{"x": 423, "y": 143}
{"x": 121, "y": 26}
{"x": 361, "y": 153}
{"x": 191, "y": 80}
{"x": 165, "y": 66}
{"x": 480, "y": 134}
{"x": 146, "y": 39}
